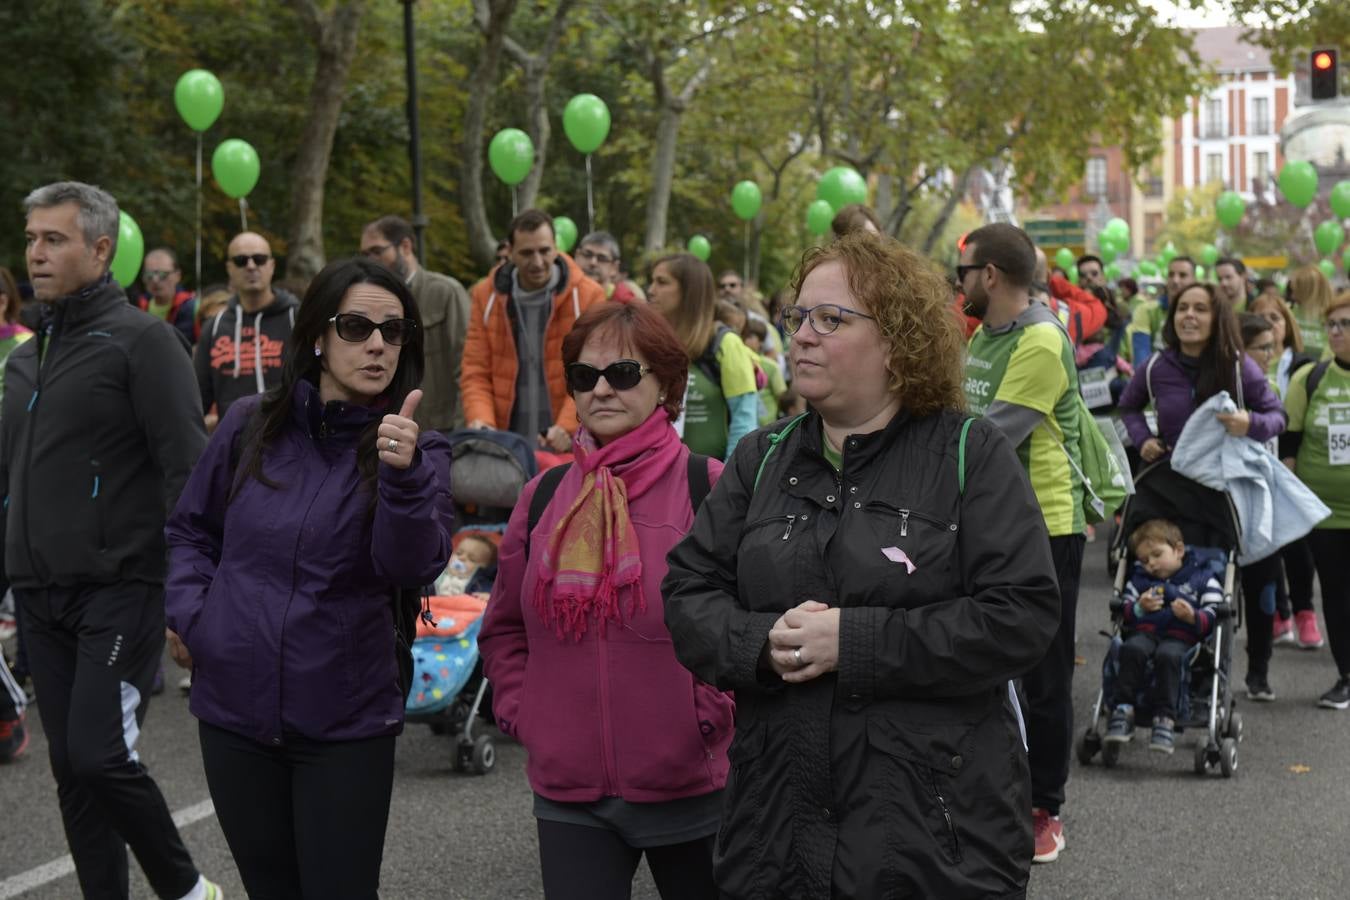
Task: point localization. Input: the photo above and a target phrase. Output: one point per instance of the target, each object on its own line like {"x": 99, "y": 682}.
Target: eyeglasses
{"x": 591, "y": 256}
{"x": 963, "y": 271}
{"x": 157, "y": 275}
{"x": 1264, "y": 349}
{"x": 241, "y": 261}
{"x": 355, "y": 329}
{"x": 825, "y": 318}
{"x": 1338, "y": 324}
{"x": 622, "y": 375}
{"x": 376, "y": 250}
{"x": 729, "y": 285}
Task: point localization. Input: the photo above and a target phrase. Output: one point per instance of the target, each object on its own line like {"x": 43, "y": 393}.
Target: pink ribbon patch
{"x": 895, "y": 554}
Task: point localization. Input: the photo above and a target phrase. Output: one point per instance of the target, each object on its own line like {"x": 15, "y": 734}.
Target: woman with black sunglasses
{"x": 312, "y": 510}
{"x": 627, "y": 750}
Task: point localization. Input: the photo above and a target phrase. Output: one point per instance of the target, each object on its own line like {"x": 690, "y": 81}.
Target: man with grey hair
{"x": 100, "y": 427}
{"x": 443, "y": 304}
{"x": 598, "y": 257}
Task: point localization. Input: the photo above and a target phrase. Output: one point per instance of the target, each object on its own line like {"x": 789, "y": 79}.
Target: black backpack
{"x": 699, "y": 486}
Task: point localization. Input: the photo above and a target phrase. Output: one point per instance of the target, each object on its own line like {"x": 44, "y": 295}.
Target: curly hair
{"x": 912, "y": 304}
{"x": 1159, "y": 531}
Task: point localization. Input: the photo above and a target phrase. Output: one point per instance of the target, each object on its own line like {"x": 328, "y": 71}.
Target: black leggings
{"x": 1256, "y": 577}
{"x": 1331, "y": 552}
{"x": 581, "y": 862}
{"x": 305, "y": 819}
{"x": 1298, "y": 568}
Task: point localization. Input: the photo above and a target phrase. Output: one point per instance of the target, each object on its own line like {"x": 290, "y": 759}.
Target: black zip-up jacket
{"x": 100, "y": 428}
{"x": 240, "y": 354}
{"x": 902, "y": 773}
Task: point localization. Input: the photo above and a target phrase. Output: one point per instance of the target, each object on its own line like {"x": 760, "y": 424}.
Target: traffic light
{"x": 1326, "y": 74}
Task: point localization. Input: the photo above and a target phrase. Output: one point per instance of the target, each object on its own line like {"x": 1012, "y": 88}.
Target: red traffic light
{"x": 1323, "y": 81}
{"x": 1322, "y": 61}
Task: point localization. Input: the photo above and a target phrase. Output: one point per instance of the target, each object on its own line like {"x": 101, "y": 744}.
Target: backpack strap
{"x": 699, "y": 485}
{"x": 543, "y": 493}
{"x": 1315, "y": 377}
{"x": 961, "y": 456}
{"x": 1148, "y": 378}
{"x": 774, "y": 440}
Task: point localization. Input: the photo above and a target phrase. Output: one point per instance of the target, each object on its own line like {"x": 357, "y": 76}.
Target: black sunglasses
{"x": 963, "y": 271}
{"x": 355, "y": 329}
{"x": 622, "y": 375}
{"x": 259, "y": 259}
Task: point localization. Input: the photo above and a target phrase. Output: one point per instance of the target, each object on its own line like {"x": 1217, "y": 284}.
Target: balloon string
{"x": 590, "y": 199}
{"x": 243, "y": 214}
{"x": 197, "y": 285}
{"x": 745, "y": 264}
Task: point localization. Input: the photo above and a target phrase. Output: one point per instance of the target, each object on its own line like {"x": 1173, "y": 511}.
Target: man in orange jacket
{"x": 512, "y": 375}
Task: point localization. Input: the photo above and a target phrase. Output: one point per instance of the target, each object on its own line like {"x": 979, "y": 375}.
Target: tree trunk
{"x": 948, "y": 207}
{"x": 492, "y": 17}
{"x": 663, "y": 175}
{"x": 535, "y": 67}
{"x": 334, "y": 36}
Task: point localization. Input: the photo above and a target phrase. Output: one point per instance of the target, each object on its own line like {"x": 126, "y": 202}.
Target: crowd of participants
{"x": 798, "y": 616}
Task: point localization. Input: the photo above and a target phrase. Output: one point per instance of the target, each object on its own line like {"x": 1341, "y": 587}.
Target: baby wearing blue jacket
{"x": 1168, "y": 609}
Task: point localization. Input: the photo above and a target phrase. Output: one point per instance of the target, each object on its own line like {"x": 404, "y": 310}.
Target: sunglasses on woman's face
{"x": 622, "y": 375}
{"x": 355, "y": 329}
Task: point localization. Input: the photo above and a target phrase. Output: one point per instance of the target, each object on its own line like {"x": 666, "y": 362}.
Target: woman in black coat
{"x": 868, "y": 578}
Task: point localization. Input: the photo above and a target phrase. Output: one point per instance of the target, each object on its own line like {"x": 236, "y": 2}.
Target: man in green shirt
{"x": 1020, "y": 374}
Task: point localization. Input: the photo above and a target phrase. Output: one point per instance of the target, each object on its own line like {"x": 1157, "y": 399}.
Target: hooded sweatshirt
{"x": 240, "y": 353}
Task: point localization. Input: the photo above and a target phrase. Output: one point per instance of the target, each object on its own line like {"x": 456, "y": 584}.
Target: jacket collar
{"x": 86, "y": 303}
{"x": 502, "y": 275}
{"x": 859, "y": 449}
{"x": 335, "y": 421}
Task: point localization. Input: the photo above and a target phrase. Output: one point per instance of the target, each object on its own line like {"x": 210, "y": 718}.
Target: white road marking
{"x": 59, "y": 868}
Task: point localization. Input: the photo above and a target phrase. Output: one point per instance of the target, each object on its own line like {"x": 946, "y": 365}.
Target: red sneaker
{"x": 1309, "y": 637}
{"x": 1049, "y": 833}
{"x": 13, "y": 738}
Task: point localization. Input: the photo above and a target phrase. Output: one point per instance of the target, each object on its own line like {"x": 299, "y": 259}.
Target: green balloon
{"x": 586, "y": 122}
{"x": 746, "y": 199}
{"x": 126, "y": 264}
{"x": 1109, "y": 252}
{"x": 1168, "y": 253}
{"x": 841, "y": 186}
{"x": 1345, "y": 259}
{"x": 1148, "y": 268}
{"x": 511, "y": 155}
{"x": 1199, "y": 273}
{"x": 1113, "y": 272}
{"x": 699, "y": 246}
{"x": 1209, "y": 254}
{"x": 1117, "y": 228}
{"x": 1230, "y": 208}
{"x": 819, "y": 215}
{"x": 1328, "y": 237}
{"x": 1340, "y": 199}
{"x": 199, "y": 98}
{"x": 1298, "y": 182}
{"x": 1064, "y": 259}
{"x": 1328, "y": 268}
{"x": 236, "y": 168}
{"x": 565, "y": 231}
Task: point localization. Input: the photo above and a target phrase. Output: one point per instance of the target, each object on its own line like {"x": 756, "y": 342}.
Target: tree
{"x": 492, "y": 17}
{"x": 333, "y": 35}
{"x": 1289, "y": 27}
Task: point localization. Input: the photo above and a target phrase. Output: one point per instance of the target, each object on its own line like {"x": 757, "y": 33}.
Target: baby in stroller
{"x": 471, "y": 568}
{"x": 1169, "y": 608}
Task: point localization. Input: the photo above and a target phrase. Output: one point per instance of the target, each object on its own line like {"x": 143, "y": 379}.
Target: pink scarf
{"x": 592, "y": 554}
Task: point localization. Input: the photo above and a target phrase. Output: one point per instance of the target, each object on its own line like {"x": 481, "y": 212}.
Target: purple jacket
{"x": 284, "y": 595}
{"x": 614, "y": 715}
{"x": 1174, "y": 401}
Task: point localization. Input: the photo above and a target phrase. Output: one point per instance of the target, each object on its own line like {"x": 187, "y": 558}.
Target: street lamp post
{"x": 419, "y": 221}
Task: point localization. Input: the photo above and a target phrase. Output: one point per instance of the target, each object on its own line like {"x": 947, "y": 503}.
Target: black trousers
{"x": 1168, "y": 656}
{"x": 305, "y": 819}
{"x": 1331, "y": 552}
{"x": 1299, "y": 569}
{"x": 93, "y": 650}
{"x": 1048, "y": 688}
{"x": 1257, "y": 578}
{"x": 580, "y": 862}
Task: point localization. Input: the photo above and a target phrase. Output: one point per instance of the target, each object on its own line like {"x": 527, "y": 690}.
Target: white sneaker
{"x": 185, "y": 683}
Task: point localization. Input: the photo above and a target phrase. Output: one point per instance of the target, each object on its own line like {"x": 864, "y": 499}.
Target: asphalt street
{"x": 1149, "y": 828}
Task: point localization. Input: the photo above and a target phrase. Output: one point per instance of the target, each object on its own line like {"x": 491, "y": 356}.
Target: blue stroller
{"x": 448, "y": 686}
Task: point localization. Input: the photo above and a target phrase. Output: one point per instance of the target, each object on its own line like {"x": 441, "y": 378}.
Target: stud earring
{"x": 661, "y": 399}
{"x": 317, "y": 351}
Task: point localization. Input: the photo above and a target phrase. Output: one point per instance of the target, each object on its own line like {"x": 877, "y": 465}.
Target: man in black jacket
{"x": 100, "y": 428}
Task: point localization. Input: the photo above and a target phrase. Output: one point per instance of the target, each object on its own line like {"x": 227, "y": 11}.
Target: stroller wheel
{"x": 1228, "y": 757}
{"x": 484, "y": 755}
{"x": 1235, "y": 726}
{"x": 1089, "y": 745}
{"x": 1201, "y": 758}
{"x": 1110, "y": 754}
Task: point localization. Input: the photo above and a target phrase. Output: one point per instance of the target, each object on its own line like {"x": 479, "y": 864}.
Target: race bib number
{"x": 1338, "y": 434}
{"x": 1095, "y": 386}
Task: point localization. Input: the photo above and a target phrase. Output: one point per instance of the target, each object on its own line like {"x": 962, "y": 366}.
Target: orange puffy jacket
{"x": 1086, "y": 314}
{"x": 487, "y": 380}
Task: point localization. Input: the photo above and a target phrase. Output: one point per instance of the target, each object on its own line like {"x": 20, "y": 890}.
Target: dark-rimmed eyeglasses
{"x": 591, "y": 256}
{"x": 622, "y": 375}
{"x": 963, "y": 270}
{"x": 825, "y": 318}
{"x": 376, "y": 250}
{"x": 241, "y": 260}
{"x": 1338, "y": 325}
{"x": 356, "y": 329}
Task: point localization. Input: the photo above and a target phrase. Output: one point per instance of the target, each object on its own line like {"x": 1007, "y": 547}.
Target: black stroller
{"x": 1208, "y": 519}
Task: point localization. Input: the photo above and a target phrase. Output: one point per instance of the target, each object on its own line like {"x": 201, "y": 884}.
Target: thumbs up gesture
{"x": 397, "y": 438}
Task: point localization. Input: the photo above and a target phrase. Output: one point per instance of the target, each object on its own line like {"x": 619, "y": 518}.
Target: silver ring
{"x": 393, "y": 445}
{"x": 797, "y": 655}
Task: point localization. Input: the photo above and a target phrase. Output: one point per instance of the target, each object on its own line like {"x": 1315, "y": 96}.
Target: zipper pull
{"x": 788, "y": 530}
{"x": 904, "y": 523}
